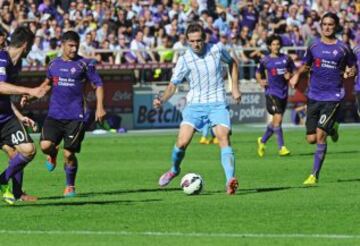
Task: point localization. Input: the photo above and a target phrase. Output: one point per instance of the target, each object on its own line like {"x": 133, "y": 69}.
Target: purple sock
{"x": 279, "y": 134}
{"x": 17, "y": 181}
{"x": 268, "y": 133}
{"x": 16, "y": 164}
{"x": 319, "y": 157}
{"x": 70, "y": 172}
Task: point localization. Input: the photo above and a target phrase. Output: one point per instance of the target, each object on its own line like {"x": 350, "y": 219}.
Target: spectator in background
{"x": 86, "y": 48}
{"x": 36, "y": 56}
{"x": 179, "y": 47}
{"x": 3, "y": 41}
{"x": 104, "y": 57}
{"x": 123, "y": 55}
{"x": 53, "y": 52}
{"x": 139, "y": 51}
{"x": 249, "y": 16}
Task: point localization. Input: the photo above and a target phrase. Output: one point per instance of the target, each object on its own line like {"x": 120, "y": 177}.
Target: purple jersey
{"x": 8, "y": 74}
{"x": 68, "y": 82}
{"x": 357, "y": 55}
{"x": 249, "y": 19}
{"x": 327, "y": 62}
{"x": 274, "y": 69}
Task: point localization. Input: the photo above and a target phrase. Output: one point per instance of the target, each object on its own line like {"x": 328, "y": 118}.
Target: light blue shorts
{"x": 198, "y": 115}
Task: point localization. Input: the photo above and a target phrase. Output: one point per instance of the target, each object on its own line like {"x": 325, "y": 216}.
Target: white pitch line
{"x": 183, "y": 234}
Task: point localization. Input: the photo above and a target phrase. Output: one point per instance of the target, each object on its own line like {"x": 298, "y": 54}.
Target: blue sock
{"x": 228, "y": 162}
{"x": 176, "y": 157}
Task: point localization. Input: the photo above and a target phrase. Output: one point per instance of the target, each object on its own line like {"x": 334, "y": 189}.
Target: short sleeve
{"x": 180, "y": 71}
{"x": 225, "y": 55}
{"x": 92, "y": 75}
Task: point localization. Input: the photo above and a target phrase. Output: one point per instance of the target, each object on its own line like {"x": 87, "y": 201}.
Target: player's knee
{"x": 28, "y": 150}
{"x": 181, "y": 143}
{"x": 69, "y": 156}
{"x": 311, "y": 139}
{"x": 45, "y": 145}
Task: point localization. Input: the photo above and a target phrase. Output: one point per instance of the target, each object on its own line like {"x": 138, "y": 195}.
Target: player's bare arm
{"x": 168, "y": 93}
{"x": 24, "y": 119}
{"x": 100, "y": 111}
{"x": 295, "y": 78}
{"x": 236, "y": 94}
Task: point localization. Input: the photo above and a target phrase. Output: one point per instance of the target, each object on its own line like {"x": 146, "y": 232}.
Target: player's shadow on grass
{"x": 348, "y": 180}
{"x": 72, "y": 202}
{"x": 328, "y": 153}
{"x": 261, "y": 190}
{"x": 113, "y": 192}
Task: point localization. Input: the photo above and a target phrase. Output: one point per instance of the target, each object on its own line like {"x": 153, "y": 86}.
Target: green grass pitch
{"x": 119, "y": 201}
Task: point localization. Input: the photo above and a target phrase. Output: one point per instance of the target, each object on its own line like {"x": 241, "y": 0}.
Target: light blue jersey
{"x": 204, "y": 73}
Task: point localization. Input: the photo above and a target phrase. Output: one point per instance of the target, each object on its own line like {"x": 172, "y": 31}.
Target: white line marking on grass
{"x": 182, "y": 234}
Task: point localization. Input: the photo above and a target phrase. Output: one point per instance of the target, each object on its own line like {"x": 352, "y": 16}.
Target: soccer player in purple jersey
{"x": 65, "y": 120}
{"x": 273, "y": 74}
{"x": 13, "y": 137}
{"x": 357, "y": 79}
{"x": 326, "y": 59}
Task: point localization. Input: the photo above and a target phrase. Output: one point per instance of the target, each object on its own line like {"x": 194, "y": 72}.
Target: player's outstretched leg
{"x": 334, "y": 134}
{"x": 16, "y": 164}
{"x": 70, "y": 168}
{"x": 176, "y": 157}
{"x": 228, "y": 163}
{"x": 319, "y": 158}
{"x": 261, "y": 141}
{"x": 50, "y": 162}
{"x": 283, "y": 151}
{"x": 19, "y": 194}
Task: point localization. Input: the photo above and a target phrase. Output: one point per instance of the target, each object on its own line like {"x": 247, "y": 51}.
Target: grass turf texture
{"x": 120, "y": 203}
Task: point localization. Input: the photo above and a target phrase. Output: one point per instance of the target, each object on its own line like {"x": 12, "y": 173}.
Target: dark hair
{"x": 334, "y": 17}
{"x": 273, "y": 37}
{"x": 70, "y": 36}
{"x": 195, "y": 27}
{"x": 20, "y": 36}
{"x": 53, "y": 43}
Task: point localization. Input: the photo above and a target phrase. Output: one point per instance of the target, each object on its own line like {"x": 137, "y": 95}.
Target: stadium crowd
{"x": 133, "y": 31}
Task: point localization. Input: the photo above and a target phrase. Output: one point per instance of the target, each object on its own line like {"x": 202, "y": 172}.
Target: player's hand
{"x": 263, "y": 83}
{"x": 157, "y": 103}
{"x": 349, "y": 72}
{"x": 40, "y": 91}
{"x": 100, "y": 114}
{"x": 287, "y": 75}
{"x": 236, "y": 96}
{"x": 29, "y": 122}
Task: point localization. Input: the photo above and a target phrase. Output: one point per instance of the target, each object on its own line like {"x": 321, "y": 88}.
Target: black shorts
{"x": 71, "y": 131}
{"x": 275, "y": 105}
{"x": 357, "y": 97}
{"x": 13, "y": 132}
{"x": 321, "y": 115}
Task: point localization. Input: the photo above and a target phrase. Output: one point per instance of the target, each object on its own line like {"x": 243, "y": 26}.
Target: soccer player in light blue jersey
{"x": 327, "y": 59}
{"x": 201, "y": 65}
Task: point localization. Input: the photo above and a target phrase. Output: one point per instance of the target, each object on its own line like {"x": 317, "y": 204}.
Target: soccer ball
{"x": 192, "y": 184}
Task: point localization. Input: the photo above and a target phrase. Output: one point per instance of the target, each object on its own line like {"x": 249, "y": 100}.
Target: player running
{"x": 326, "y": 59}
{"x": 201, "y": 65}
{"x": 273, "y": 74}
{"x": 65, "y": 120}
{"x": 14, "y": 139}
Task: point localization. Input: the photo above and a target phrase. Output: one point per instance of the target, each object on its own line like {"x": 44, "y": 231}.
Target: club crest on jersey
{"x": 335, "y": 52}
{"x": 73, "y": 70}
